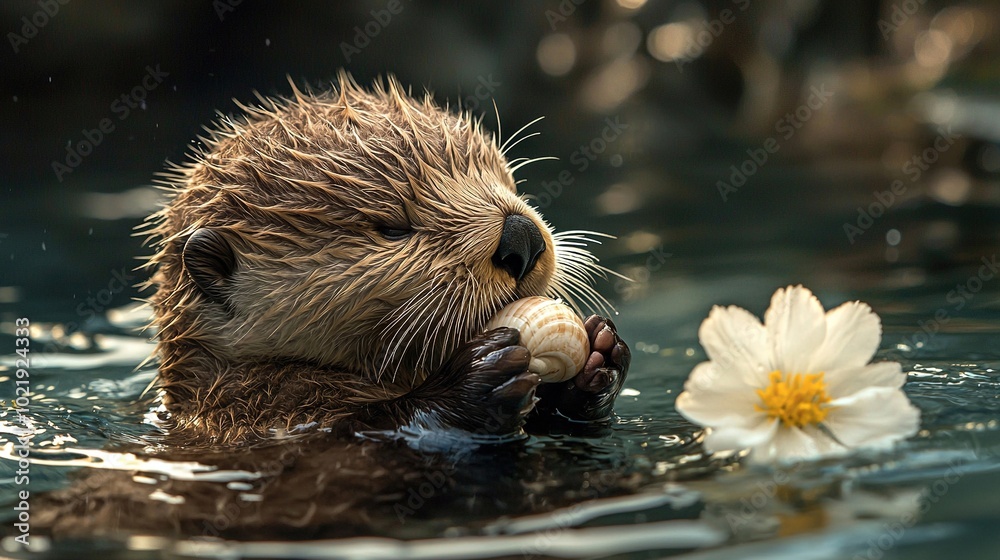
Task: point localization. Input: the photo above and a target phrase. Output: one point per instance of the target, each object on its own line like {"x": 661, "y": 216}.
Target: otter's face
{"x": 366, "y": 232}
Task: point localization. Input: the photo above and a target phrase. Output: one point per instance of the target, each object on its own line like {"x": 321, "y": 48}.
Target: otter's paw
{"x": 591, "y": 394}
{"x": 485, "y": 387}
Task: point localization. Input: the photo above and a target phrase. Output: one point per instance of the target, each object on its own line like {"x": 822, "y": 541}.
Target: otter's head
{"x": 362, "y": 230}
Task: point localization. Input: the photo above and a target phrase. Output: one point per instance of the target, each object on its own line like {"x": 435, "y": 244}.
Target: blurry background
{"x": 732, "y": 146}
{"x": 661, "y": 114}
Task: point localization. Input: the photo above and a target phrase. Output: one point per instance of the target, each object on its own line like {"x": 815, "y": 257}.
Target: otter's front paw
{"x": 485, "y": 387}
{"x": 591, "y": 394}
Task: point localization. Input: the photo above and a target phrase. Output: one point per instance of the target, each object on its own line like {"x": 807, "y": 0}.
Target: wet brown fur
{"x": 325, "y": 318}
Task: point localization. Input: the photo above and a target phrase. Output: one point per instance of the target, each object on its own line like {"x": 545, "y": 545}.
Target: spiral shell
{"x": 553, "y": 334}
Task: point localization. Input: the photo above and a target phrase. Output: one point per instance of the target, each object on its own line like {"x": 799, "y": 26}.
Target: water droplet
{"x": 267, "y": 42}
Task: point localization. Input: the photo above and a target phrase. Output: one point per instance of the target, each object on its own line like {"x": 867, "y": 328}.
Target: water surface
{"x": 639, "y": 488}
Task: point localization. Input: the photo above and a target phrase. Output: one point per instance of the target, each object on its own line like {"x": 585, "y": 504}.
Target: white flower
{"x": 799, "y": 385}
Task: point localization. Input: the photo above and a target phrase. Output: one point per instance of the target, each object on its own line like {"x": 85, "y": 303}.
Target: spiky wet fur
{"x": 324, "y": 316}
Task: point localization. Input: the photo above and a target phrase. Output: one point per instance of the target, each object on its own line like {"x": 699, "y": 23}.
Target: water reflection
{"x": 548, "y": 494}
{"x": 314, "y": 487}
{"x": 694, "y": 101}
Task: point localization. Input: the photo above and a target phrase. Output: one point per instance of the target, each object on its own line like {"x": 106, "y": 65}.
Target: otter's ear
{"x": 209, "y": 261}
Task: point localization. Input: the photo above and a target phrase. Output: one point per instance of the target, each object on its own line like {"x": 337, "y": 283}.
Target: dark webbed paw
{"x": 485, "y": 387}
{"x": 608, "y": 360}
{"x": 591, "y": 394}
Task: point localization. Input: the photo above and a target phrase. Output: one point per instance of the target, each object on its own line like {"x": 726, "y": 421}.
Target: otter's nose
{"x": 520, "y": 245}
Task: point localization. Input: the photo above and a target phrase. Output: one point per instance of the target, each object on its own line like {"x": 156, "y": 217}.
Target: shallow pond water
{"x": 639, "y": 488}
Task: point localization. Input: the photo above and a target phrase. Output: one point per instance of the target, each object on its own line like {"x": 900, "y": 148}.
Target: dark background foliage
{"x": 698, "y": 87}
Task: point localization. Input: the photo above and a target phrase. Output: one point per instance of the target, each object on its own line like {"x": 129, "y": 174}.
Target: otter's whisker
{"x": 435, "y": 316}
{"x": 416, "y": 313}
{"x": 451, "y": 321}
{"x": 577, "y": 268}
{"x": 455, "y": 306}
{"x": 532, "y": 160}
{"x": 499, "y": 128}
{"x": 504, "y": 147}
{"x": 587, "y": 294}
{"x": 523, "y": 138}
{"x": 419, "y": 318}
{"x": 402, "y": 312}
{"x": 565, "y": 288}
{"x": 581, "y": 235}
{"x": 587, "y": 263}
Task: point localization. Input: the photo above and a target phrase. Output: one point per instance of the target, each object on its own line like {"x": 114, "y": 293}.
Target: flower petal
{"x": 796, "y": 327}
{"x": 795, "y": 444}
{"x": 736, "y": 341}
{"x": 707, "y": 376}
{"x": 875, "y": 417}
{"x": 853, "y": 333}
{"x": 758, "y": 433}
{"x": 847, "y": 381}
{"x": 714, "y": 398}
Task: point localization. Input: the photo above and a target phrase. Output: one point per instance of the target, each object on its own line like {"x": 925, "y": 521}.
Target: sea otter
{"x": 329, "y": 262}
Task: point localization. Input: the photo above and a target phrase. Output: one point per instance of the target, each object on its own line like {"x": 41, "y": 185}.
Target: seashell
{"x": 551, "y": 331}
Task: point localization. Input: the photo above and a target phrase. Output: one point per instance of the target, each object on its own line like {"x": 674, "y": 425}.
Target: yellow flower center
{"x": 796, "y": 399}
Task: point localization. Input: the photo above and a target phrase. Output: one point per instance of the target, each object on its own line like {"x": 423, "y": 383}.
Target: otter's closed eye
{"x": 394, "y": 234}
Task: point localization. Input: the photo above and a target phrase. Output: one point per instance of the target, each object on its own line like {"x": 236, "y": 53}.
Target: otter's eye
{"x": 394, "y": 234}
